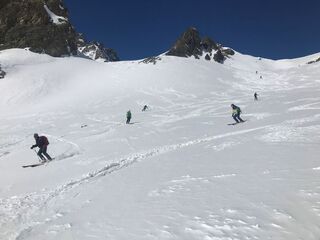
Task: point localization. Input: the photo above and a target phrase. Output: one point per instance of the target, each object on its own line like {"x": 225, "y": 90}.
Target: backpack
{"x": 45, "y": 140}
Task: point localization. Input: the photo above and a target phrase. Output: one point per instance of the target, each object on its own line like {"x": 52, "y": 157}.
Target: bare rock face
{"x": 317, "y": 60}
{"x": 2, "y": 73}
{"x": 219, "y": 57}
{"x": 96, "y": 50}
{"x": 208, "y": 45}
{"x": 187, "y": 45}
{"x": 43, "y": 27}
{"x": 153, "y": 60}
{"x": 191, "y": 44}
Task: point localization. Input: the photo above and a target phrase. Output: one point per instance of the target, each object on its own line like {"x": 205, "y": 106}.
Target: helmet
{"x": 36, "y": 135}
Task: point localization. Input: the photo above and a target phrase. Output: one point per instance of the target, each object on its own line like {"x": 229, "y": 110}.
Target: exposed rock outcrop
{"x": 190, "y": 44}
{"x": 96, "y": 50}
{"x": 153, "y": 60}
{"x": 2, "y": 73}
{"x": 317, "y": 60}
{"x": 187, "y": 45}
{"x": 43, "y": 27}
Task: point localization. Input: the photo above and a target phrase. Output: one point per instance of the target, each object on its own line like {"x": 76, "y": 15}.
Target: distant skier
{"x": 42, "y": 143}
{"x": 255, "y": 96}
{"x": 236, "y": 111}
{"x": 145, "y": 107}
{"x": 129, "y": 115}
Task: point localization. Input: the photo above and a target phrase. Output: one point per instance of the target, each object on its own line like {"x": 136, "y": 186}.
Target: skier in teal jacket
{"x": 129, "y": 115}
{"x": 236, "y": 111}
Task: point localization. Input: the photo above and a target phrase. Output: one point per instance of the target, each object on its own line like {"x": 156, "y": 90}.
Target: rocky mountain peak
{"x": 95, "y": 50}
{"x": 187, "y": 45}
{"x": 190, "y": 44}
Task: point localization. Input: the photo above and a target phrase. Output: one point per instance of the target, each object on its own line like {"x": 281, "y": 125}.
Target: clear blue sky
{"x": 137, "y": 29}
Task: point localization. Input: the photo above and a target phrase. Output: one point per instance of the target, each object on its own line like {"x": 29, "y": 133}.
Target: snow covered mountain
{"x": 179, "y": 171}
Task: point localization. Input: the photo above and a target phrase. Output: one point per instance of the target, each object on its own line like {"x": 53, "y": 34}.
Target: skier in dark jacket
{"x": 255, "y": 96}
{"x": 236, "y": 111}
{"x": 129, "y": 115}
{"x": 42, "y": 143}
{"x": 145, "y": 107}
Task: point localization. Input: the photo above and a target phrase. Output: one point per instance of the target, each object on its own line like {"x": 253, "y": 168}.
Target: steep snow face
{"x": 178, "y": 171}
{"x": 54, "y": 18}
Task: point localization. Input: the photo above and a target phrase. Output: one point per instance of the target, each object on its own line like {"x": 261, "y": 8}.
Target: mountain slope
{"x": 178, "y": 172}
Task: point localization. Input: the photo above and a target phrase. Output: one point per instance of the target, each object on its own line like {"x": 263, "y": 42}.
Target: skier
{"x": 236, "y": 111}
{"x": 128, "y": 117}
{"x": 255, "y": 96}
{"x": 42, "y": 143}
{"x": 145, "y": 107}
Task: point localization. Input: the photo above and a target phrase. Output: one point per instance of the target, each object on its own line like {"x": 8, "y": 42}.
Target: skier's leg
{"x": 235, "y": 118}
{"x": 240, "y": 119}
{"x": 40, "y": 154}
{"x": 44, "y": 151}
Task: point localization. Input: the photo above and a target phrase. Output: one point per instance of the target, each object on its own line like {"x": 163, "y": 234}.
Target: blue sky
{"x": 137, "y": 29}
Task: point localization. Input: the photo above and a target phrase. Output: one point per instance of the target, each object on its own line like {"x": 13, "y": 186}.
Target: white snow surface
{"x": 58, "y": 20}
{"x": 178, "y": 171}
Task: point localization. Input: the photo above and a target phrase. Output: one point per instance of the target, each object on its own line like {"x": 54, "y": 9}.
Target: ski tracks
{"x": 73, "y": 149}
{"x": 17, "y": 213}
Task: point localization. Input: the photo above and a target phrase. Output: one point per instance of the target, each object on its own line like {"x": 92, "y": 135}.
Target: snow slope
{"x": 179, "y": 171}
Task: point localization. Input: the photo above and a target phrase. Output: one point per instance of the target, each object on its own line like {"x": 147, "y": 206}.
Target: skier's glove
{"x": 32, "y": 147}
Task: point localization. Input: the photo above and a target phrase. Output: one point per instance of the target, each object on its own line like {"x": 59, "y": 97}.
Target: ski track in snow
{"x": 288, "y": 118}
{"x": 20, "y": 209}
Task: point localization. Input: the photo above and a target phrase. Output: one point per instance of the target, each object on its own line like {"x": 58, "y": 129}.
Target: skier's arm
{"x": 38, "y": 143}
{"x": 234, "y": 112}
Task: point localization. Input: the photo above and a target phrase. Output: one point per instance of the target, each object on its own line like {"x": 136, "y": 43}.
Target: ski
{"x": 36, "y": 164}
{"x": 33, "y": 165}
{"x": 232, "y": 124}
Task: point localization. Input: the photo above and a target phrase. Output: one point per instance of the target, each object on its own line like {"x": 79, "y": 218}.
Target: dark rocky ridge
{"x": 2, "y": 73}
{"x": 317, "y": 60}
{"x": 26, "y": 24}
{"x": 191, "y": 44}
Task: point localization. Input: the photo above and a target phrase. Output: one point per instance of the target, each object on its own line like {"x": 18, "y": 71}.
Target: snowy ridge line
{"x": 15, "y": 207}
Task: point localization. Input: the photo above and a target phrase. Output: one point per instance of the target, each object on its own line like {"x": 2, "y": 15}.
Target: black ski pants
{"x": 43, "y": 151}
{"x": 237, "y": 118}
